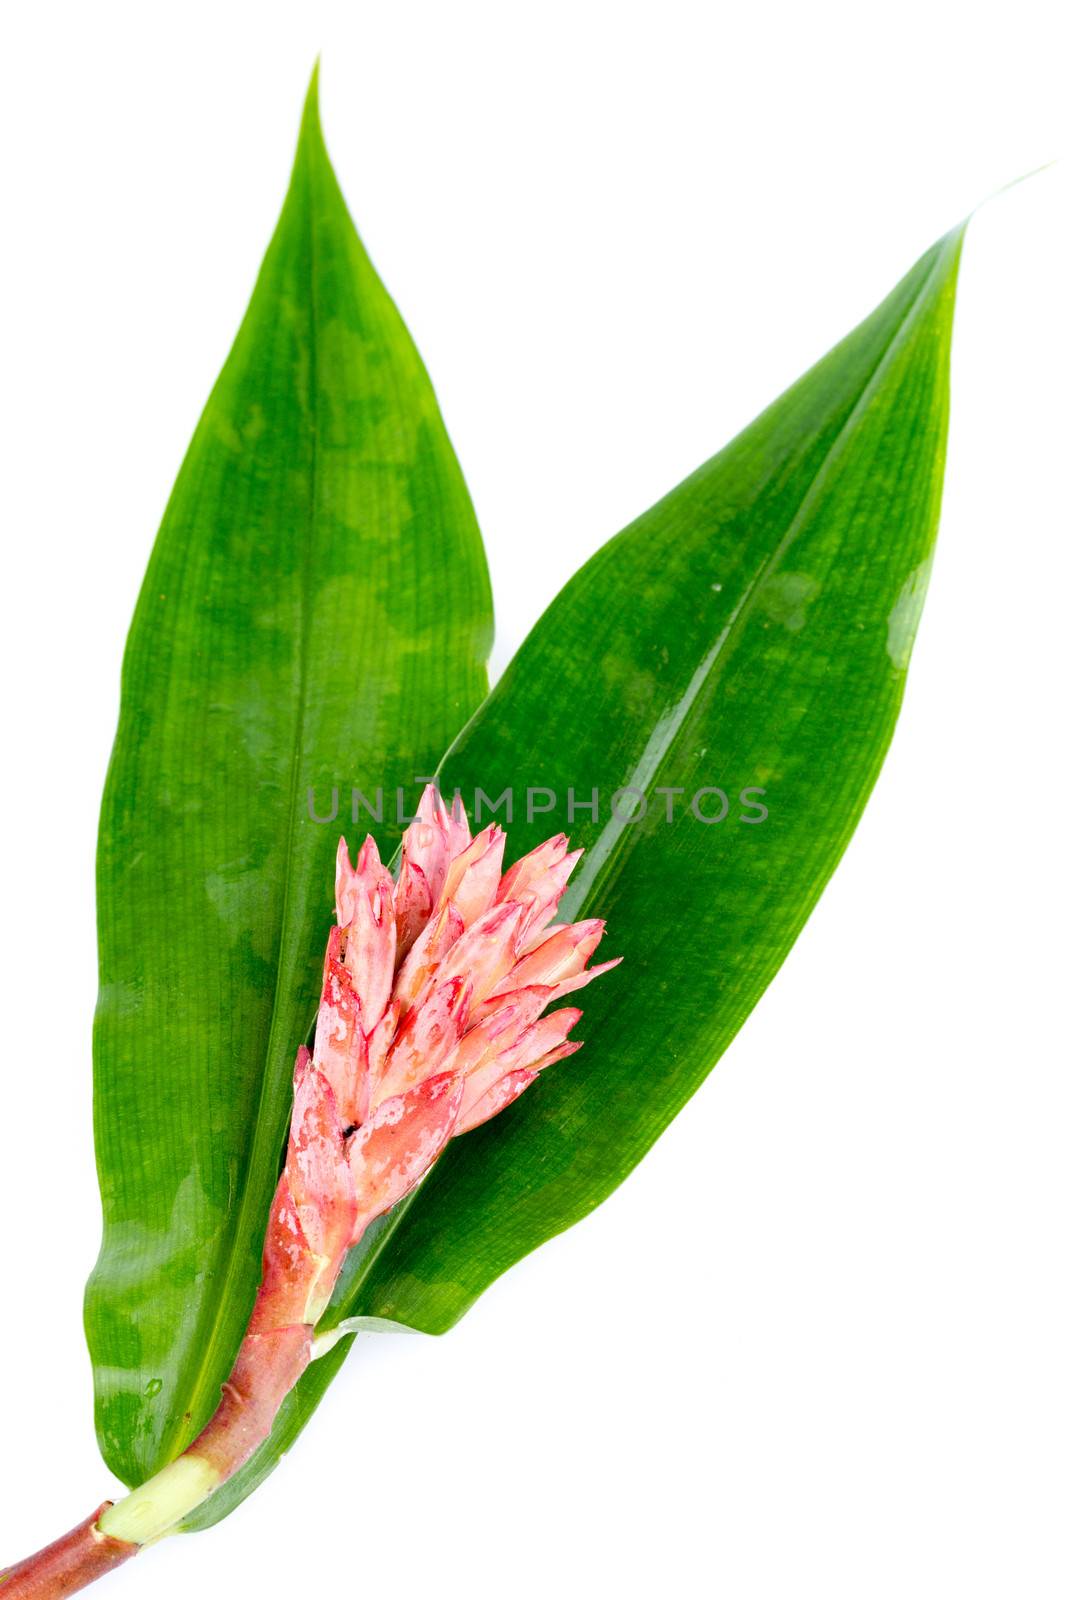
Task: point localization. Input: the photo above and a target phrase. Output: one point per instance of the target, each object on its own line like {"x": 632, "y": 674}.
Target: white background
{"x": 815, "y": 1345}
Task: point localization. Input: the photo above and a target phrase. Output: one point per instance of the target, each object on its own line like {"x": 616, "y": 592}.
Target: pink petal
{"x": 370, "y": 944}
{"x": 426, "y": 847}
{"x": 430, "y": 808}
{"x": 435, "y": 838}
{"x": 580, "y": 979}
{"x": 401, "y": 1141}
{"x": 501, "y": 1021}
{"x": 544, "y": 901}
{"x": 318, "y": 1174}
{"x": 486, "y": 952}
{"x": 428, "y": 1035}
{"x": 560, "y": 1053}
{"x": 521, "y": 878}
{"x": 414, "y": 902}
{"x": 539, "y": 1039}
{"x": 506, "y": 1089}
{"x": 344, "y": 885}
{"x": 540, "y": 880}
{"x": 378, "y": 1045}
{"x": 426, "y": 954}
{"x": 340, "y": 1043}
{"x": 289, "y": 1267}
{"x": 501, "y": 1094}
{"x": 559, "y": 957}
{"x": 530, "y": 1050}
{"x": 474, "y": 875}
{"x": 457, "y": 828}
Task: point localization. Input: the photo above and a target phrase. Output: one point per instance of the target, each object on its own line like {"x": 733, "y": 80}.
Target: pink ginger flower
{"x": 432, "y": 1020}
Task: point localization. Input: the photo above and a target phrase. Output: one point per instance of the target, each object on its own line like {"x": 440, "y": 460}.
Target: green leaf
{"x": 751, "y": 631}
{"x": 316, "y": 613}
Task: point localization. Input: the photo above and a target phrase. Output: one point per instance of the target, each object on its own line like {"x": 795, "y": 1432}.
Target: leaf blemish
{"x": 903, "y": 620}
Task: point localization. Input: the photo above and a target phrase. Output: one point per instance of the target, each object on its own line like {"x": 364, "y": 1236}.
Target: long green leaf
{"x": 316, "y": 613}
{"x": 751, "y": 631}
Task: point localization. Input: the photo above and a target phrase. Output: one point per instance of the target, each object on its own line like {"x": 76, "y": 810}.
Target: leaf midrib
{"x": 218, "y": 1313}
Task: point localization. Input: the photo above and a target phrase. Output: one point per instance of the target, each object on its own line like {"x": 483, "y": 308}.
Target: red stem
{"x": 267, "y": 1367}
{"x": 67, "y": 1565}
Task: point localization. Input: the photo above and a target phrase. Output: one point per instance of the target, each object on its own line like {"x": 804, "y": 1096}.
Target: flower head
{"x": 432, "y": 1019}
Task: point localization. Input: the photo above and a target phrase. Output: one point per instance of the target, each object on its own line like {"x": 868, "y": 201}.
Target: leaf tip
{"x": 310, "y": 122}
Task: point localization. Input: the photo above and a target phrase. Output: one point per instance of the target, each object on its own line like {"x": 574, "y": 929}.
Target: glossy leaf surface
{"x": 316, "y": 613}
{"x": 750, "y": 632}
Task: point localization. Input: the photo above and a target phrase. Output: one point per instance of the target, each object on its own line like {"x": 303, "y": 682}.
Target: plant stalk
{"x": 69, "y": 1564}
{"x": 267, "y": 1367}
